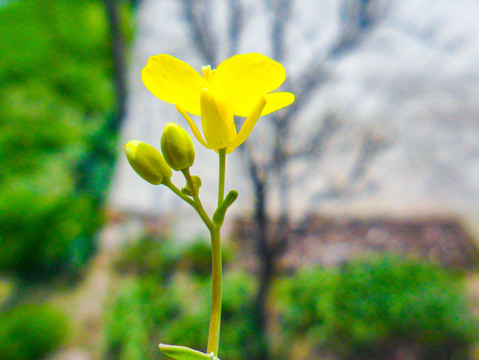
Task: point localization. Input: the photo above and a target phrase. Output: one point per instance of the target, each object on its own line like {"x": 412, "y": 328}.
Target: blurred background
{"x": 355, "y": 234}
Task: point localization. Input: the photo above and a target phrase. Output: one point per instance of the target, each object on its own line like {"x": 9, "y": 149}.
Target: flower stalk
{"x": 221, "y": 180}
{"x": 215, "y": 315}
{"x": 242, "y": 85}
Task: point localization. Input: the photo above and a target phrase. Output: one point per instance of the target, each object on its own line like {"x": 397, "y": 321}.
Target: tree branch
{"x": 118, "y": 58}
{"x": 236, "y": 22}
{"x": 196, "y": 15}
{"x": 316, "y": 143}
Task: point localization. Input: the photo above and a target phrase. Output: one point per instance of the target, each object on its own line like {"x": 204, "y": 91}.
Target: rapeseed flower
{"x": 241, "y": 85}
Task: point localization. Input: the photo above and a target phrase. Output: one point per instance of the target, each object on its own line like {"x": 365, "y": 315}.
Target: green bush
{"x": 148, "y": 257}
{"x": 160, "y": 258}
{"x": 56, "y": 94}
{"x": 129, "y": 323}
{"x": 29, "y": 332}
{"x": 369, "y": 309}
{"x": 165, "y": 297}
{"x": 361, "y": 310}
{"x": 144, "y": 313}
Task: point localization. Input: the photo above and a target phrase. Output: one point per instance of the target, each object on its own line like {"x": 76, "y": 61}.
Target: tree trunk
{"x": 118, "y": 58}
{"x": 266, "y": 271}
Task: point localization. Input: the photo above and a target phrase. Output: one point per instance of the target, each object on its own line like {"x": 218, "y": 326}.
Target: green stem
{"x": 221, "y": 181}
{"x": 215, "y": 316}
{"x": 178, "y": 192}
{"x": 198, "y": 206}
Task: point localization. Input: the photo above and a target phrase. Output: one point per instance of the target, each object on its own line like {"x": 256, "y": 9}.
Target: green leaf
{"x": 219, "y": 215}
{"x": 185, "y": 353}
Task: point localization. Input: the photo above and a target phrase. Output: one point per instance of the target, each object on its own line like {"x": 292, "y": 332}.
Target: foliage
{"x": 55, "y": 152}
{"x": 150, "y": 256}
{"x": 7, "y": 290}
{"x": 368, "y": 309}
{"x": 29, "y": 332}
{"x": 170, "y": 303}
{"x": 361, "y": 310}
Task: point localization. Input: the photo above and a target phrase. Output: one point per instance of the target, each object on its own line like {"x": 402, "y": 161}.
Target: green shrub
{"x": 196, "y": 257}
{"x": 57, "y": 89}
{"x": 148, "y": 257}
{"x": 29, "y": 332}
{"x": 369, "y": 309}
{"x": 7, "y": 290}
{"x": 362, "y": 310}
{"x": 128, "y": 323}
{"x": 165, "y": 297}
{"x": 160, "y": 258}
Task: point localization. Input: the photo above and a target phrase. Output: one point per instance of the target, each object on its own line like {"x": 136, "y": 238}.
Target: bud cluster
{"x": 154, "y": 167}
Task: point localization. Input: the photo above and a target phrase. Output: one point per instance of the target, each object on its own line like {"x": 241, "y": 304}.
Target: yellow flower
{"x": 241, "y": 85}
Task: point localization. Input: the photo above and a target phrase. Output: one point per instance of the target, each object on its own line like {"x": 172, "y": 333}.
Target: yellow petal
{"x": 174, "y": 81}
{"x": 274, "y": 101}
{"x": 249, "y": 123}
{"x": 217, "y": 122}
{"x": 244, "y": 78}
{"x": 193, "y": 127}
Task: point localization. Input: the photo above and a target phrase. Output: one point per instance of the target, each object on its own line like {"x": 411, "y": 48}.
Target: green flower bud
{"x": 177, "y": 147}
{"x": 147, "y": 162}
{"x": 196, "y": 183}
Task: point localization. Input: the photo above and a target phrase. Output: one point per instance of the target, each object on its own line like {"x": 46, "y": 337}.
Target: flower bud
{"x": 177, "y": 147}
{"x": 147, "y": 162}
{"x": 196, "y": 180}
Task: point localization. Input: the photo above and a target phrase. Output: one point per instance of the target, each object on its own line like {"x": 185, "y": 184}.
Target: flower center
{"x": 208, "y": 73}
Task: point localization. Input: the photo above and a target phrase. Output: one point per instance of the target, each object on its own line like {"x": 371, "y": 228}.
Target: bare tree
{"x": 118, "y": 53}
{"x": 269, "y": 169}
